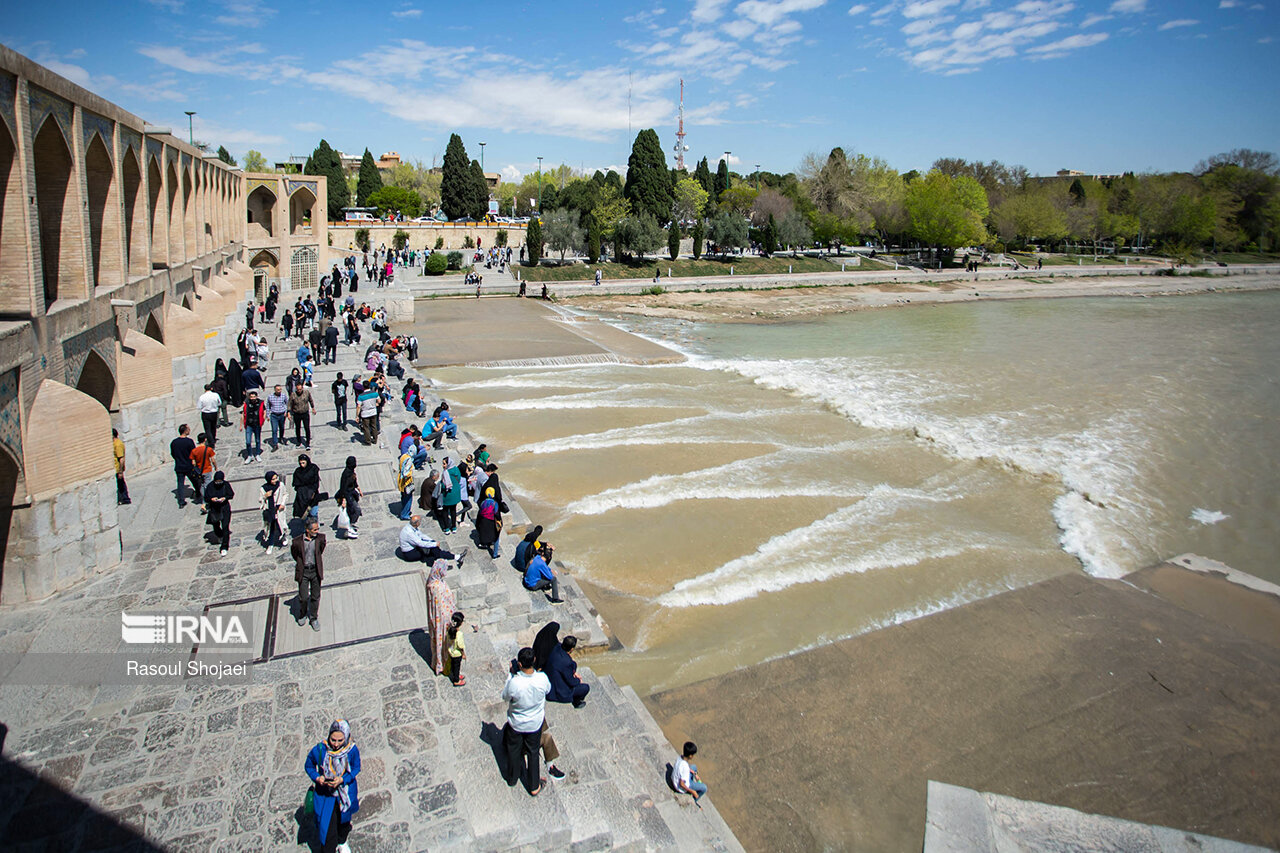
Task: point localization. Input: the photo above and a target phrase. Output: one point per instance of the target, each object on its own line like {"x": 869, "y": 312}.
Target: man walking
{"x": 251, "y": 419}
{"x": 526, "y": 696}
{"x": 180, "y": 449}
{"x": 117, "y": 447}
{"x": 308, "y": 571}
{"x": 301, "y": 407}
{"x": 330, "y": 344}
{"x": 339, "y": 388}
{"x": 204, "y": 458}
{"x": 278, "y": 411}
{"x": 210, "y": 405}
{"x": 251, "y": 379}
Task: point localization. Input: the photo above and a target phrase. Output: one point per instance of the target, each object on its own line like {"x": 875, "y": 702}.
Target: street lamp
{"x": 757, "y": 177}
{"x": 191, "y": 139}
{"x": 539, "y": 186}
{"x": 482, "y": 145}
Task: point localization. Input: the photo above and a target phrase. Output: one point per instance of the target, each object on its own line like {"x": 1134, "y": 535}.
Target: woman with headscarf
{"x": 547, "y": 639}
{"x": 235, "y": 385}
{"x": 488, "y": 524}
{"x": 242, "y": 343}
{"x": 527, "y": 548}
{"x": 349, "y": 496}
{"x": 306, "y": 488}
{"x": 333, "y": 766}
{"x": 217, "y": 499}
{"x": 272, "y": 500}
{"x": 294, "y": 380}
{"x": 219, "y": 386}
{"x": 441, "y": 605}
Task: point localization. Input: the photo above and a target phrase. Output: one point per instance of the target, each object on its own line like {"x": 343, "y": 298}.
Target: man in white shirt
{"x": 416, "y": 545}
{"x": 684, "y": 776}
{"x": 210, "y": 404}
{"x": 526, "y": 695}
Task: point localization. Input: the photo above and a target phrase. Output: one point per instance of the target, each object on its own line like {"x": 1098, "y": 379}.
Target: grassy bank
{"x": 683, "y": 268}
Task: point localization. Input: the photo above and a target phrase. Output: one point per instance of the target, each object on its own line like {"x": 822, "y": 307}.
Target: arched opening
{"x": 156, "y": 217}
{"x": 301, "y": 205}
{"x": 304, "y": 269}
{"x": 188, "y": 301}
{"x": 135, "y": 248}
{"x": 152, "y": 329}
{"x": 55, "y": 195}
{"x": 9, "y": 474}
{"x": 189, "y": 215}
{"x": 266, "y": 270}
{"x": 261, "y": 205}
{"x": 14, "y": 295}
{"x": 104, "y": 215}
{"x": 175, "y": 218}
{"x": 97, "y": 381}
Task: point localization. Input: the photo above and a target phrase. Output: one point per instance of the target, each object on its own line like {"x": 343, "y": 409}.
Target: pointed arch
{"x": 104, "y": 215}
{"x": 153, "y": 329}
{"x": 15, "y": 295}
{"x": 157, "y": 219}
{"x": 135, "y": 222}
{"x": 62, "y": 263}
{"x": 189, "y": 216}
{"x": 261, "y": 206}
{"x": 97, "y": 381}
{"x": 175, "y": 216}
{"x": 301, "y": 211}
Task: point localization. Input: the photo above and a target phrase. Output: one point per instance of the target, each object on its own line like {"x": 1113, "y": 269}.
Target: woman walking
{"x": 451, "y": 482}
{"x": 333, "y": 766}
{"x": 271, "y": 500}
{"x": 441, "y": 605}
{"x": 488, "y": 525}
{"x": 306, "y": 488}
{"x": 217, "y": 498}
{"x": 349, "y": 496}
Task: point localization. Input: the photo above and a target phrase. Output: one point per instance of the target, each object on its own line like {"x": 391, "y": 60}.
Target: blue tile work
{"x": 291, "y": 187}
{"x": 43, "y": 104}
{"x": 146, "y": 306}
{"x": 100, "y": 339}
{"x": 130, "y": 138}
{"x": 10, "y": 415}
{"x": 92, "y": 123}
{"x": 155, "y": 148}
{"x": 8, "y": 100}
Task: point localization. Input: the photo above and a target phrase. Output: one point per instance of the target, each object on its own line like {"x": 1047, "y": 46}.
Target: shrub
{"x": 500, "y": 239}
{"x": 468, "y": 242}
{"x": 533, "y": 241}
{"x": 698, "y": 234}
{"x": 439, "y": 242}
{"x": 362, "y": 239}
{"x": 436, "y": 264}
{"x": 655, "y": 290}
{"x": 455, "y": 260}
{"x": 400, "y": 239}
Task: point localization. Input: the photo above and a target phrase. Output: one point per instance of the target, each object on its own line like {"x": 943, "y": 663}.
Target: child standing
{"x": 455, "y": 649}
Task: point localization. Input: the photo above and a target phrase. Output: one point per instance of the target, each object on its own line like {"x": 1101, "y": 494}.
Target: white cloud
{"x": 225, "y": 62}
{"x": 858, "y": 9}
{"x": 511, "y": 175}
{"x": 740, "y": 28}
{"x": 926, "y": 8}
{"x": 1179, "y": 22}
{"x": 171, "y": 5}
{"x": 308, "y": 126}
{"x": 884, "y": 10}
{"x": 1090, "y": 20}
{"x": 706, "y": 11}
{"x": 245, "y": 13}
{"x": 1265, "y": 40}
{"x": 407, "y": 13}
{"x": 1070, "y": 43}
{"x": 218, "y": 134}
{"x": 1230, "y": 4}
{"x": 731, "y": 159}
{"x": 766, "y": 13}
{"x": 1128, "y": 7}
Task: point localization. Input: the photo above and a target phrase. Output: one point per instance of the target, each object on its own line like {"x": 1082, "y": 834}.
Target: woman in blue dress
{"x": 333, "y": 766}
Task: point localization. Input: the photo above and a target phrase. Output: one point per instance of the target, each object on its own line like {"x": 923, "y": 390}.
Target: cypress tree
{"x": 325, "y": 161}
{"x": 479, "y": 192}
{"x": 648, "y": 181}
{"x": 697, "y": 238}
{"x": 370, "y": 180}
{"x": 533, "y": 241}
{"x": 612, "y": 179}
{"x": 673, "y": 240}
{"x": 455, "y": 185}
{"x": 593, "y": 239}
{"x": 721, "y": 182}
{"x": 769, "y": 237}
{"x": 225, "y": 156}
{"x": 703, "y": 176}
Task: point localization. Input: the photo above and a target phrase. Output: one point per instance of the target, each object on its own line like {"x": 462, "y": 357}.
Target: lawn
{"x": 1242, "y": 258}
{"x": 682, "y": 268}
{"x": 1067, "y": 260}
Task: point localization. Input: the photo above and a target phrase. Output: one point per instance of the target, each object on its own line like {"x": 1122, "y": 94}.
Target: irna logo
{"x": 218, "y": 629}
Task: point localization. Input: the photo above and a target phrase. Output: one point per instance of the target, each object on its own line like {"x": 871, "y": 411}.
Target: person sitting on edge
{"x": 566, "y": 684}
{"x": 445, "y": 419}
{"x": 684, "y": 776}
{"x": 416, "y": 545}
{"x": 541, "y": 576}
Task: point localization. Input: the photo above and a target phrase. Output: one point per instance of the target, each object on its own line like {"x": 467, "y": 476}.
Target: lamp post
{"x": 482, "y": 145}
{"x": 191, "y": 139}
{"x": 757, "y": 177}
{"x": 539, "y": 186}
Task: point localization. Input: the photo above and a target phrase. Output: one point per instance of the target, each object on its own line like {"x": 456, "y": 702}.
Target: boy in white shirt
{"x": 684, "y": 776}
{"x": 526, "y": 695}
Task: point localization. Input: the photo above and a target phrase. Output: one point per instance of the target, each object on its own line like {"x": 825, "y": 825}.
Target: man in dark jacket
{"x": 308, "y": 571}
{"x": 180, "y": 449}
{"x": 562, "y": 670}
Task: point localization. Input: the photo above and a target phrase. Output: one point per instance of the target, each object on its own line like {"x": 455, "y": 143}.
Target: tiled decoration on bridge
{"x": 291, "y": 187}
{"x": 130, "y": 138}
{"x": 44, "y": 104}
{"x": 254, "y": 183}
{"x": 92, "y": 123}
{"x": 155, "y": 148}
{"x": 146, "y": 306}
{"x": 11, "y": 416}
{"x": 8, "y": 100}
{"x": 100, "y": 339}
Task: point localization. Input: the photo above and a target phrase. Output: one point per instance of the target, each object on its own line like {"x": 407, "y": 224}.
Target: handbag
{"x": 309, "y": 804}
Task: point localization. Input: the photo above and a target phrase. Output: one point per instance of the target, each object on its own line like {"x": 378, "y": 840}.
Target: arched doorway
{"x": 54, "y": 196}
{"x": 261, "y": 204}
{"x": 104, "y": 215}
{"x": 266, "y": 270}
{"x": 13, "y": 265}
{"x": 152, "y": 329}
{"x": 301, "y": 205}
{"x": 303, "y": 269}
{"x": 97, "y": 381}
{"x": 176, "y": 255}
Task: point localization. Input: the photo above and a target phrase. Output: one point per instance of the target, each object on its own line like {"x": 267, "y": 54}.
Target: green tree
{"x": 370, "y": 179}
{"x": 593, "y": 239}
{"x": 325, "y": 161}
{"x": 609, "y": 211}
{"x": 728, "y": 231}
{"x": 254, "y": 161}
{"x": 395, "y": 200}
{"x": 225, "y": 156}
{"x": 479, "y": 193}
{"x": 550, "y": 197}
{"x": 673, "y": 239}
{"x": 614, "y": 180}
{"x": 400, "y": 239}
{"x": 637, "y": 235}
{"x": 436, "y": 264}
{"x": 648, "y": 181}
{"x": 721, "y": 182}
{"x": 738, "y": 200}
{"x": 500, "y": 238}
{"x": 690, "y": 200}
{"x": 794, "y": 231}
{"x": 362, "y": 239}
{"x": 1077, "y": 192}
{"x": 563, "y": 231}
{"x": 769, "y": 237}
{"x": 533, "y": 241}
{"x": 947, "y": 212}
{"x": 698, "y": 234}
{"x": 456, "y": 186}
{"x": 702, "y": 174}
{"x": 581, "y": 195}
{"x": 1029, "y": 216}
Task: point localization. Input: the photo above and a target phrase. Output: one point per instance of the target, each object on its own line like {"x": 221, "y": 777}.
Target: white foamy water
{"x": 1208, "y": 516}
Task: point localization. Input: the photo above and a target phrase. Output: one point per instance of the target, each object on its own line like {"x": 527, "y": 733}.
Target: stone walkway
{"x": 200, "y": 767}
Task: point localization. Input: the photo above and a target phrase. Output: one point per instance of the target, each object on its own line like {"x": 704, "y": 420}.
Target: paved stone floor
{"x": 199, "y": 767}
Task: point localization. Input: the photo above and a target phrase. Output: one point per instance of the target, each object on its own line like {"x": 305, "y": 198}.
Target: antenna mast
{"x": 680, "y": 147}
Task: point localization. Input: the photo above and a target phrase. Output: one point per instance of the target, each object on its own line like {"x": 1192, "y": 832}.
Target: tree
{"x": 414, "y": 176}
{"x": 947, "y": 212}
{"x": 395, "y": 200}
{"x": 325, "y": 161}
{"x": 593, "y": 239}
{"x": 400, "y": 239}
{"x": 1077, "y": 192}
{"x": 690, "y": 200}
{"x": 698, "y": 235}
{"x": 769, "y": 237}
{"x": 614, "y": 180}
{"x": 609, "y": 211}
{"x": 1030, "y": 215}
{"x": 456, "y": 193}
{"x": 673, "y": 239}
{"x": 637, "y": 235}
{"x": 370, "y": 179}
{"x": 768, "y": 203}
{"x": 478, "y": 198}
{"x": 254, "y": 161}
{"x": 728, "y": 230}
{"x": 436, "y": 264}
{"x": 533, "y": 241}
{"x": 550, "y": 197}
{"x": 648, "y": 181}
{"x": 738, "y": 200}
{"x": 562, "y": 231}
{"x": 225, "y": 156}
{"x": 702, "y": 174}
{"x": 581, "y": 195}
{"x": 721, "y": 182}
{"x": 793, "y": 231}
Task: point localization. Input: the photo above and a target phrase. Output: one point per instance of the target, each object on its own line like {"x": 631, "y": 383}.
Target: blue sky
{"x": 1103, "y": 86}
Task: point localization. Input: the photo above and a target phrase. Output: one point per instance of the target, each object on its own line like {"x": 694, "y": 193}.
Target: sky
{"x": 1104, "y": 86}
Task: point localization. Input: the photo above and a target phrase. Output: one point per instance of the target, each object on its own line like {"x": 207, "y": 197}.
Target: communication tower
{"x": 680, "y": 147}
